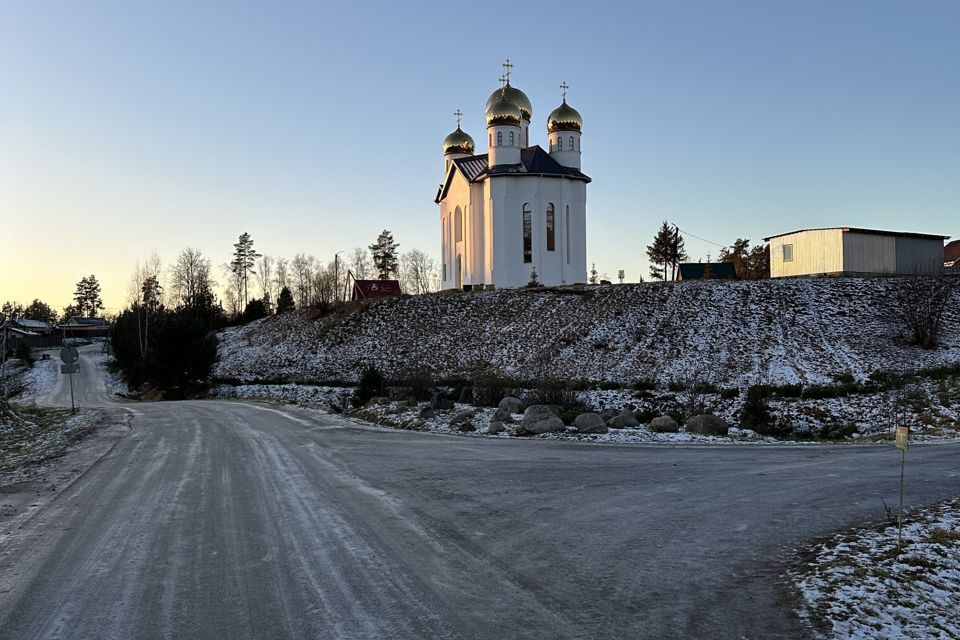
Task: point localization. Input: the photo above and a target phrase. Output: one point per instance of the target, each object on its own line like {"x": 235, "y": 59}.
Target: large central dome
{"x": 514, "y": 95}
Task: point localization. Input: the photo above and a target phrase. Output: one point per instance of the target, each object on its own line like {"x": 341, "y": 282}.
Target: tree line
{"x": 667, "y": 252}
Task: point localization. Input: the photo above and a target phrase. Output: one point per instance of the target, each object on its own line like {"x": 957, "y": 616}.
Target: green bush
{"x": 644, "y": 384}
{"x": 608, "y": 385}
{"x": 24, "y": 353}
{"x": 370, "y": 385}
{"x": 755, "y": 414}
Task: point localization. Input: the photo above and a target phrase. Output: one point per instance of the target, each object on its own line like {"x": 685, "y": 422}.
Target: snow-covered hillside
{"x": 724, "y": 333}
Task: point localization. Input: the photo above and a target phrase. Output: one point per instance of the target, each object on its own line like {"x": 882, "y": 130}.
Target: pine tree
{"x": 285, "y": 301}
{"x": 384, "y": 251}
{"x": 87, "y": 297}
{"x": 594, "y": 276}
{"x": 660, "y": 252}
{"x": 244, "y": 260}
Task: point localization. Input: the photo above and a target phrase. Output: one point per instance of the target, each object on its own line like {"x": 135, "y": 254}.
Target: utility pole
{"x": 336, "y": 276}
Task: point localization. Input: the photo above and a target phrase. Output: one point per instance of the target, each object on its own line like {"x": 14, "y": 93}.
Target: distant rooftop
{"x": 874, "y": 232}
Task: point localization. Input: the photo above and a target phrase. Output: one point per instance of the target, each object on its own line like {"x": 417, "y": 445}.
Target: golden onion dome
{"x": 564, "y": 118}
{"x": 515, "y": 96}
{"x": 458, "y": 142}
{"x": 503, "y": 111}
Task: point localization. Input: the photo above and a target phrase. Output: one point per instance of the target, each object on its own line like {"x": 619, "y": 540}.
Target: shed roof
{"x": 698, "y": 271}
{"x": 874, "y": 232}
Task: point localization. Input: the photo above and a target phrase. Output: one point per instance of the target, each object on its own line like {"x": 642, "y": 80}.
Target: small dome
{"x": 515, "y": 96}
{"x": 458, "y": 142}
{"x": 564, "y": 118}
{"x": 503, "y": 111}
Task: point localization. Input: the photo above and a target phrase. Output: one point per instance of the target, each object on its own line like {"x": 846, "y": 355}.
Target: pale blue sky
{"x": 128, "y": 126}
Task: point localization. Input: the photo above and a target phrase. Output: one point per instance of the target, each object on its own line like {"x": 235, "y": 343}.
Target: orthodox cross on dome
{"x": 503, "y": 81}
{"x": 564, "y": 86}
{"x": 459, "y": 115}
{"x": 507, "y": 66}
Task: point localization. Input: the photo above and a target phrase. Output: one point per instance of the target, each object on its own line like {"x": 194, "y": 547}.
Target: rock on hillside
{"x": 727, "y": 333}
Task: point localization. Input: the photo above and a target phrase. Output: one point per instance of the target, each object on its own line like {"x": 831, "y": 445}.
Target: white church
{"x": 517, "y": 209}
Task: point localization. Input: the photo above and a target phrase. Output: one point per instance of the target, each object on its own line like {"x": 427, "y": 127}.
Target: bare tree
{"x": 919, "y": 303}
{"x": 281, "y": 275}
{"x": 264, "y": 274}
{"x": 152, "y": 267}
{"x": 233, "y": 291}
{"x": 418, "y": 272}
{"x": 190, "y": 277}
{"x": 302, "y": 271}
{"x": 360, "y": 263}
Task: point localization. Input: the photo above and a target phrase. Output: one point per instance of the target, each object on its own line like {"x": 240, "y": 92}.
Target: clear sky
{"x": 132, "y": 126}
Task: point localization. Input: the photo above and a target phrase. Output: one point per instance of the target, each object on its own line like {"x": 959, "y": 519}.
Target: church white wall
{"x": 553, "y": 267}
{"x": 457, "y": 196}
{"x": 500, "y": 149}
{"x": 566, "y": 156}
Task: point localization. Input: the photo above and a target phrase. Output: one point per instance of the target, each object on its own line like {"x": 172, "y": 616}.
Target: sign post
{"x": 903, "y": 437}
{"x": 70, "y": 357}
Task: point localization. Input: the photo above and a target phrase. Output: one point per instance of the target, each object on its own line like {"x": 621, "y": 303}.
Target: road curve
{"x": 237, "y": 520}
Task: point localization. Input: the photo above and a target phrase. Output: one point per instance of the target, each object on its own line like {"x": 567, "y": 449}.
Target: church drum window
{"x": 551, "y": 241}
{"x": 571, "y": 143}
{"x": 511, "y": 138}
{"x": 527, "y": 234}
{"x": 499, "y": 138}
{"x": 559, "y": 143}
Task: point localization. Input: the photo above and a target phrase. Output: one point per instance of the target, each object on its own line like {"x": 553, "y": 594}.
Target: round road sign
{"x": 69, "y": 355}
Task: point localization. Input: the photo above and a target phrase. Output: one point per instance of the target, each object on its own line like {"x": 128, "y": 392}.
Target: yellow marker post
{"x": 903, "y": 437}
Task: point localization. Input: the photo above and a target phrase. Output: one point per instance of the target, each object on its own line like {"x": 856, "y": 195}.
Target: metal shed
{"x": 854, "y": 251}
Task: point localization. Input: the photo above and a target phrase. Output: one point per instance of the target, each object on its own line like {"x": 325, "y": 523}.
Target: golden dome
{"x": 564, "y": 118}
{"x": 458, "y": 142}
{"x": 503, "y": 111}
{"x": 515, "y": 96}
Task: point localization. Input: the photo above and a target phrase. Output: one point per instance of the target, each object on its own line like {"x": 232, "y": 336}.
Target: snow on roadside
{"x": 39, "y": 381}
{"x": 112, "y": 383}
{"x": 858, "y": 586}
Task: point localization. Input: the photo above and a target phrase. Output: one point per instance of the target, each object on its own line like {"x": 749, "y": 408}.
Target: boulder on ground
{"x": 539, "y": 418}
{"x": 440, "y": 402}
{"x": 380, "y": 400}
{"x": 502, "y": 415}
{"x": 427, "y": 412}
{"x": 606, "y": 414}
{"x": 664, "y": 424}
{"x": 623, "y": 419}
{"x": 590, "y": 423}
{"x": 708, "y": 425}
{"x": 511, "y": 405}
{"x": 463, "y": 420}
{"x": 495, "y": 428}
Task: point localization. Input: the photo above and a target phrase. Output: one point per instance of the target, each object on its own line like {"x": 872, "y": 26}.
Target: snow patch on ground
{"x": 38, "y": 381}
{"x": 858, "y": 586}
{"x": 732, "y": 334}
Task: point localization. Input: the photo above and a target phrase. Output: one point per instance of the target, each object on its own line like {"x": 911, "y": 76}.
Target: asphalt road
{"x": 236, "y": 520}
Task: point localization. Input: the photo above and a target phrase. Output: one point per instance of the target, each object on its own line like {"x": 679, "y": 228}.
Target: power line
{"x": 687, "y": 233}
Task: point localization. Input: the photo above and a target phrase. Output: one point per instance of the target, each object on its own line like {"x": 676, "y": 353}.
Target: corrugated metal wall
{"x": 869, "y": 253}
{"x": 814, "y": 252}
{"x": 919, "y": 256}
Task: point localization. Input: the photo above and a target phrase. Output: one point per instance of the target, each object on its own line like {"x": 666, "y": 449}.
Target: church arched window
{"x": 571, "y": 143}
{"x": 551, "y": 240}
{"x": 511, "y": 138}
{"x": 567, "y": 234}
{"x": 559, "y": 143}
{"x": 499, "y": 138}
{"x": 458, "y": 225}
{"x": 527, "y": 234}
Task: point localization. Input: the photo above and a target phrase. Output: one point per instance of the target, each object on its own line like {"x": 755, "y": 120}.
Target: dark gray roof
{"x": 874, "y": 232}
{"x": 534, "y": 161}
